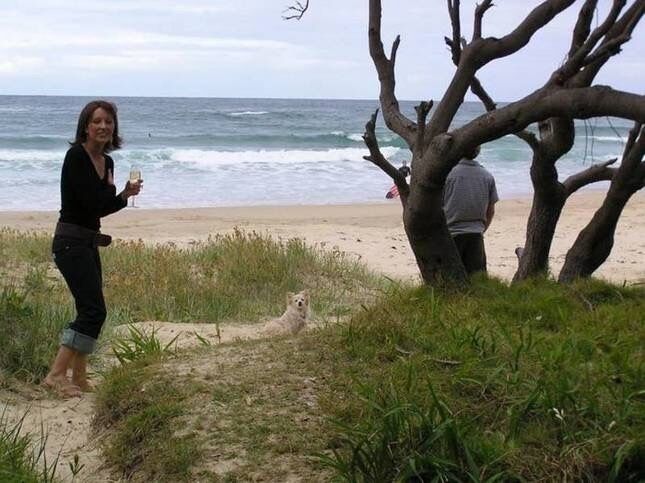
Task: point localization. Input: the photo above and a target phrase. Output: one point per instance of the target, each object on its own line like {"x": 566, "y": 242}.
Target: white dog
{"x": 294, "y": 318}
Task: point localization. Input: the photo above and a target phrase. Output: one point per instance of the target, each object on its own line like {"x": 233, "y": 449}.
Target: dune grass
{"x": 22, "y": 455}
{"x": 534, "y": 382}
{"x": 139, "y": 415}
{"x": 239, "y": 277}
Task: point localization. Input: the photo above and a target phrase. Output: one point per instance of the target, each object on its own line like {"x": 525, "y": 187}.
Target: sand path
{"x": 67, "y": 423}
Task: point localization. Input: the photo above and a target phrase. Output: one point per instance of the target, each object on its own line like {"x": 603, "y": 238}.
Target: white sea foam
{"x": 248, "y": 113}
{"x": 208, "y": 159}
{"x": 608, "y": 139}
{"x": 31, "y": 155}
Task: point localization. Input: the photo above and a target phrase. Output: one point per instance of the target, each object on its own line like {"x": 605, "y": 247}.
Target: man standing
{"x": 469, "y": 198}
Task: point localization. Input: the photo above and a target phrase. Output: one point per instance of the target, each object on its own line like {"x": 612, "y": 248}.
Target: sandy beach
{"x": 371, "y": 232}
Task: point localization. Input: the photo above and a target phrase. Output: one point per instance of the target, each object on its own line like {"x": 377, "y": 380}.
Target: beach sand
{"x": 372, "y": 233}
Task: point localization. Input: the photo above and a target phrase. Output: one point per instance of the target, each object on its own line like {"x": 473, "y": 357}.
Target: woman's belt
{"x": 77, "y": 232}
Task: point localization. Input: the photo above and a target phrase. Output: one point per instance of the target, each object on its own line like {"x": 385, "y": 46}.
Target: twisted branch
{"x": 392, "y": 115}
{"x": 597, "y": 172}
{"x": 299, "y": 10}
{"x": 583, "y": 26}
{"x": 479, "y": 15}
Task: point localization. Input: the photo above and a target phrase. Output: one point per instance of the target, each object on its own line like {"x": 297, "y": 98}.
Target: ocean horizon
{"x": 205, "y": 152}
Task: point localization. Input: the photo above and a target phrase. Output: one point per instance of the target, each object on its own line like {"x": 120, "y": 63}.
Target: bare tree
{"x": 595, "y": 241}
{"x": 557, "y": 134}
{"x": 566, "y": 95}
{"x": 295, "y": 11}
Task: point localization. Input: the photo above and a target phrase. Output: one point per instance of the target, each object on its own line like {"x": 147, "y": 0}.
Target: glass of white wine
{"x": 135, "y": 177}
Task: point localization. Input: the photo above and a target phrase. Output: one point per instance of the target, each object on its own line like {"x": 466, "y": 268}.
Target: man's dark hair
{"x": 473, "y": 153}
{"x": 86, "y": 116}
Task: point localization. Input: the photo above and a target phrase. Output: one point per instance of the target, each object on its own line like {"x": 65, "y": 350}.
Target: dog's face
{"x": 300, "y": 301}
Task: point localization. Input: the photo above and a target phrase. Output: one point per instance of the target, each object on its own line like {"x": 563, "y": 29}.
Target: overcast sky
{"x": 242, "y": 48}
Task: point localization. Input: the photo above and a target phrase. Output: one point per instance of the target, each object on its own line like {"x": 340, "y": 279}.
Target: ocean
{"x": 198, "y": 152}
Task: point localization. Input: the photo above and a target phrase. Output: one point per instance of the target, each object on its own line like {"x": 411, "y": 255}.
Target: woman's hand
{"x": 131, "y": 189}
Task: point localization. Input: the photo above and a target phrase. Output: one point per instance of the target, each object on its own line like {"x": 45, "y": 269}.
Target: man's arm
{"x": 490, "y": 213}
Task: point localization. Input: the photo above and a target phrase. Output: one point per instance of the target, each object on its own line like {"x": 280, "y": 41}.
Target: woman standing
{"x": 87, "y": 194}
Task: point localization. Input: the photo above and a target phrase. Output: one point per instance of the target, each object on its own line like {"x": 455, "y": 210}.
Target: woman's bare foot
{"x": 62, "y": 387}
{"x": 85, "y": 386}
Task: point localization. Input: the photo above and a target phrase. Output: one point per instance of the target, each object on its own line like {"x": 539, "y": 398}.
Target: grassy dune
{"x": 524, "y": 383}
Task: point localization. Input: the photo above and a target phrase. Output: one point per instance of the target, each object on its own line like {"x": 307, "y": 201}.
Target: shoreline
{"x": 371, "y": 232}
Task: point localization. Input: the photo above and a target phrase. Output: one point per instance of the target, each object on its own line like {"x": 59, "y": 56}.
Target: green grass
{"x": 534, "y": 382}
{"x": 240, "y": 277}
{"x": 142, "y": 414}
{"x": 22, "y": 456}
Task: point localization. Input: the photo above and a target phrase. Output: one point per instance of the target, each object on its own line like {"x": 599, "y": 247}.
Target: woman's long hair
{"x": 84, "y": 120}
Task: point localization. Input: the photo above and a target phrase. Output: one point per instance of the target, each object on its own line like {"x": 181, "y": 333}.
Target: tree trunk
{"x": 557, "y": 136}
{"x": 545, "y": 213}
{"x": 430, "y": 240}
{"x": 595, "y": 241}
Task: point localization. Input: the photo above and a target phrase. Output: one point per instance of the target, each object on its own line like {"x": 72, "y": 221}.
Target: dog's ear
{"x": 306, "y": 294}
{"x": 289, "y": 297}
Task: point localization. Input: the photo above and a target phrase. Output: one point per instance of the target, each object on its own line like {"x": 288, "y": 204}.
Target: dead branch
{"x": 422, "y": 113}
{"x": 606, "y": 50}
{"x": 583, "y": 26}
{"x": 597, "y": 172}
{"x": 482, "y": 51}
{"x": 392, "y": 115}
{"x": 622, "y": 27}
{"x": 573, "y": 103}
{"x": 541, "y": 15}
{"x": 576, "y": 60}
{"x": 296, "y": 11}
{"x": 376, "y": 156}
{"x": 454, "y": 44}
{"x": 634, "y": 149}
{"x": 480, "y": 10}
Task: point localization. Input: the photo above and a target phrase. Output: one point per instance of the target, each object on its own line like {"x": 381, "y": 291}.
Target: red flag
{"x": 393, "y": 193}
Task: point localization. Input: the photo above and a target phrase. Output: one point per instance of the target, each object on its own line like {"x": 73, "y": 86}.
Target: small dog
{"x": 294, "y": 318}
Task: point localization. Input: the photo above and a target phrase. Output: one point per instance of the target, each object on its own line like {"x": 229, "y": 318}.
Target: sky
{"x": 243, "y": 48}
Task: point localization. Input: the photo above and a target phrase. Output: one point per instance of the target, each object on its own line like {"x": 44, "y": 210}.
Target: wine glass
{"x": 135, "y": 177}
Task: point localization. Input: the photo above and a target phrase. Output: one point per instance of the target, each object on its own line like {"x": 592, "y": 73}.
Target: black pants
{"x": 471, "y": 250}
{"x": 80, "y": 264}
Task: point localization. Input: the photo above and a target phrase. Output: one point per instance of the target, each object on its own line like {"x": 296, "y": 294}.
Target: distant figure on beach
{"x": 469, "y": 199}
{"x": 393, "y": 192}
{"x": 87, "y": 194}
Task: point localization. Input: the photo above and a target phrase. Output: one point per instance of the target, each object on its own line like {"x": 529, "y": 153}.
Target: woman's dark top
{"x": 85, "y": 197}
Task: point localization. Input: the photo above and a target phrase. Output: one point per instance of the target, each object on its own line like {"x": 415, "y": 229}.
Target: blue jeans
{"x": 80, "y": 264}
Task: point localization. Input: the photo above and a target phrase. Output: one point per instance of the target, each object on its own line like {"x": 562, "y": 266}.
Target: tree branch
{"x": 455, "y": 21}
{"x": 422, "y": 113}
{"x": 574, "y": 103}
{"x": 597, "y": 172}
{"x": 541, "y": 15}
{"x": 606, "y": 50}
{"x": 481, "y": 51}
{"x": 635, "y": 148}
{"x": 392, "y": 115}
{"x": 479, "y": 15}
{"x": 622, "y": 27}
{"x": 576, "y": 60}
{"x": 376, "y": 157}
{"x": 529, "y": 138}
{"x": 476, "y": 86}
{"x": 296, "y": 11}
{"x": 583, "y": 26}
